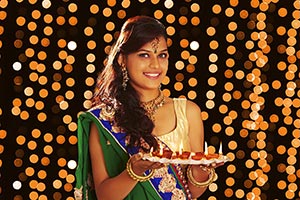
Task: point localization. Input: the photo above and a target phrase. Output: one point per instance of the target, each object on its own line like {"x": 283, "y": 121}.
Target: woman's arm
{"x": 106, "y": 187}
{"x": 120, "y": 186}
{"x": 196, "y": 136}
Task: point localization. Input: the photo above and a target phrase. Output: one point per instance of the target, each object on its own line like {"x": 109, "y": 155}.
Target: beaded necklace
{"x": 151, "y": 106}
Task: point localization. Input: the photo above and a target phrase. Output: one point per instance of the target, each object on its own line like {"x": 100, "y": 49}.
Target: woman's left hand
{"x": 215, "y": 165}
{"x": 202, "y": 172}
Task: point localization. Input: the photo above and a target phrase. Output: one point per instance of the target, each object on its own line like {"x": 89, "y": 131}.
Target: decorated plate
{"x": 190, "y": 161}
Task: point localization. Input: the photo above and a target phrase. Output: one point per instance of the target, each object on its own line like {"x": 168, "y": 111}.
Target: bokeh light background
{"x": 238, "y": 60}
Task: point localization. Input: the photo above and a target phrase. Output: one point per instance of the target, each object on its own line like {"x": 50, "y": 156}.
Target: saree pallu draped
{"x": 167, "y": 182}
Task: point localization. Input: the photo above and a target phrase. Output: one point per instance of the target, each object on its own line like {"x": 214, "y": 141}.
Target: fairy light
{"x": 232, "y": 61}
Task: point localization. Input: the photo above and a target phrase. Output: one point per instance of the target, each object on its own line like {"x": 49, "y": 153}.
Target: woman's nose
{"x": 154, "y": 63}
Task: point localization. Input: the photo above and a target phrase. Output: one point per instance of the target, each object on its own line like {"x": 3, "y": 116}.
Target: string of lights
{"x": 238, "y": 60}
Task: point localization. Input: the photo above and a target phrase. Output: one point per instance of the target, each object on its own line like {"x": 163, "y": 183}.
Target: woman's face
{"x": 148, "y": 66}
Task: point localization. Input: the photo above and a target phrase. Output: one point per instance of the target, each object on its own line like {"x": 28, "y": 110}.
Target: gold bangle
{"x": 200, "y": 184}
{"x": 136, "y": 177}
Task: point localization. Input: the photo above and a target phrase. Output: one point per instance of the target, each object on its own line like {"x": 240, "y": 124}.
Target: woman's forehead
{"x": 157, "y": 44}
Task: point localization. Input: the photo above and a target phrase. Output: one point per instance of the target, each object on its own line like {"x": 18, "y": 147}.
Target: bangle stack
{"x": 211, "y": 179}
{"x": 136, "y": 177}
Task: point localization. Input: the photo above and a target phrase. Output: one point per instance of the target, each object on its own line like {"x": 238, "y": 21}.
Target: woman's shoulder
{"x": 193, "y": 111}
{"x": 190, "y": 105}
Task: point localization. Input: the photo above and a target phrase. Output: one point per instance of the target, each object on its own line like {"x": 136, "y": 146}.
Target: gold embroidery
{"x": 78, "y": 193}
{"x": 178, "y": 194}
{"x": 161, "y": 172}
{"x": 167, "y": 183}
{"x": 116, "y": 129}
{"x": 107, "y": 113}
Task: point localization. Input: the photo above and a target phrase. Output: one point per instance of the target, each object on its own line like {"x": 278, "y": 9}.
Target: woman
{"x": 131, "y": 116}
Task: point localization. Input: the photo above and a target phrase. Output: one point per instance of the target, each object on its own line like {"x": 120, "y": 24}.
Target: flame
{"x": 205, "y": 149}
{"x": 180, "y": 148}
{"x": 220, "y": 149}
{"x": 151, "y": 150}
{"x": 161, "y": 150}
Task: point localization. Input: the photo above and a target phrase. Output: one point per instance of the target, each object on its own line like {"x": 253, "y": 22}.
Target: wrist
{"x": 137, "y": 177}
{"x": 201, "y": 181}
{"x": 200, "y": 173}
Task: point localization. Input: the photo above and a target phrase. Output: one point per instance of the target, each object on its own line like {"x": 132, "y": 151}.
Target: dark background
{"x": 12, "y": 126}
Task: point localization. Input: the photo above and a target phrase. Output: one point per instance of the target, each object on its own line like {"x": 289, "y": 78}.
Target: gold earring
{"x": 125, "y": 77}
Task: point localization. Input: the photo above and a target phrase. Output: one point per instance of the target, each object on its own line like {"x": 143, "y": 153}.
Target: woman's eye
{"x": 163, "y": 55}
{"x": 144, "y": 55}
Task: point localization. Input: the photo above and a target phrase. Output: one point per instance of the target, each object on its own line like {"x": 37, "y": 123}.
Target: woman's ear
{"x": 121, "y": 59}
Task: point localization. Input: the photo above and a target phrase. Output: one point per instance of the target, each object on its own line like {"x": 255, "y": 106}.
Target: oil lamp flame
{"x": 180, "y": 148}
{"x": 151, "y": 150}
{"x": 205, "y": 148}
{"x": 220, "y": 149}
{"x": 161, "y": 150}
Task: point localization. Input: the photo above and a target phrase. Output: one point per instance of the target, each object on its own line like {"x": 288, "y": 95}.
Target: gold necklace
{"x": 151, "y": 106}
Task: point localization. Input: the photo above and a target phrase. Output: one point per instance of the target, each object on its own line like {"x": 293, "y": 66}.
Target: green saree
{"x": 115, "y": 156}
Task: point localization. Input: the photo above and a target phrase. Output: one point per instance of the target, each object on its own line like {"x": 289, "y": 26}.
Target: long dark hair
{"x": 135, "y": 32}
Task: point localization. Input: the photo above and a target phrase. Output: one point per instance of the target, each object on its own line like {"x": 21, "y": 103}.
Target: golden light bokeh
{"x": 239, "y": 61}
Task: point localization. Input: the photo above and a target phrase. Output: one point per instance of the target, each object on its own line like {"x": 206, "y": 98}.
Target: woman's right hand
{"x": 139, "y": 165}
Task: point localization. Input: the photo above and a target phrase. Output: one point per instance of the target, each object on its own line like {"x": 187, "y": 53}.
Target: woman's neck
{"x": 153, "y": 104}
{"x": 148, "y": 95}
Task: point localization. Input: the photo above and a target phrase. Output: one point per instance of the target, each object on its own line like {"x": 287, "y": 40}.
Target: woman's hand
{"x": 201, "y": 173}
{"x": 139, "y": 166}
{"x": 214, "y": 165}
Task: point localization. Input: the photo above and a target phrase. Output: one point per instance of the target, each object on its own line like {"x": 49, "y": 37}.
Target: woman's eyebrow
{"x": 151, "y": 50}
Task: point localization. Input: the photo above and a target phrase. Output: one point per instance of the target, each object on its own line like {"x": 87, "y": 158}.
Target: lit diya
{"x": 162, "y": 153}
{"x": 209, "y": 155}
{"x": 166, "y": 155}
{"x": 197, "y": 155}
{"x": 181, "y": 154}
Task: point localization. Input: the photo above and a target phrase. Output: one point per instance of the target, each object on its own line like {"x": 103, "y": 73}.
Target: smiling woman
{"x": 148, "y": 66}
{"x": 130, "y": 116}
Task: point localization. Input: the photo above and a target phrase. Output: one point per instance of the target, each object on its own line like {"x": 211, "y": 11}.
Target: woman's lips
{"x": 152, "y": 75}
